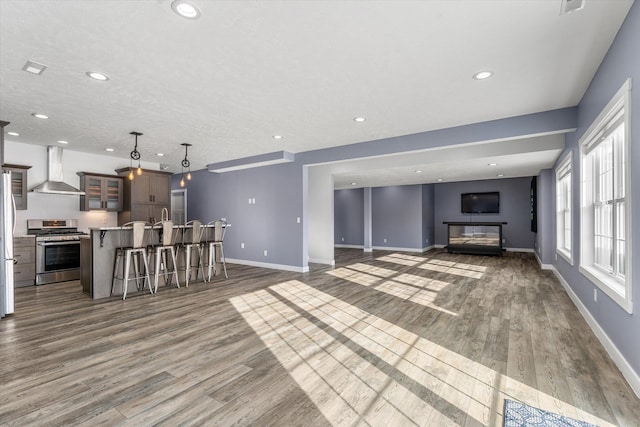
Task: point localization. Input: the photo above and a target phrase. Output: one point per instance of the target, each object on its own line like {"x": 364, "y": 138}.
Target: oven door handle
{"x": 63, "y": 242}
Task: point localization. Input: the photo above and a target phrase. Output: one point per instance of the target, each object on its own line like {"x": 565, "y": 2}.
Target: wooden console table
{"x": 480, "y": 238}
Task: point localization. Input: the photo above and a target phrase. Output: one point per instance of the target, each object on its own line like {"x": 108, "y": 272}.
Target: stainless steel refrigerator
{"x": 8, "y": 217}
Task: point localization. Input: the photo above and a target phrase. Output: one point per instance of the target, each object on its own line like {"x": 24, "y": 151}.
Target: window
{"x": 605, "y": 248}
{"x": 564, "y": 228}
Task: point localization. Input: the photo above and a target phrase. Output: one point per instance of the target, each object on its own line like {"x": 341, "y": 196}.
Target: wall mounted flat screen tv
{"x": 481, "y": 202}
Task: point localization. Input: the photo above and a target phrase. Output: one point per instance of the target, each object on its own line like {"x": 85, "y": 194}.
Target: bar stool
{"x": 215, "y": 235}
{"x": 135, "y": 250}
{"x": 194, "y": 243}
{"x": 167, "y": 244}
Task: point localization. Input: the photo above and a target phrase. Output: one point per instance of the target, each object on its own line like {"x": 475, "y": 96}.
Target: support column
{"x": 368, "y": 232}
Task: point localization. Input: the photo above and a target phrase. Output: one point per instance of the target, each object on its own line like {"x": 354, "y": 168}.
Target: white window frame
{"x": 564, "y": 171}
{"x": 617, "y": 288}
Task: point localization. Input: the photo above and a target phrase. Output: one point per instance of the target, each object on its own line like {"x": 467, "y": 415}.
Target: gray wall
{"x": 545, "y": 237}
{"x": 428, "y": 211}
{"x": 514, "y": 209}
{"x": 397, "y": 216}
{"x": 269, "y": 224}
{"x": 621, "y": 62}
{"x": 348, "y": 213}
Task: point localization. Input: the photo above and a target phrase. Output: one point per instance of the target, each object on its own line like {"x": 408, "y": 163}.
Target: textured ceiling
{"x": 248, "y": 70}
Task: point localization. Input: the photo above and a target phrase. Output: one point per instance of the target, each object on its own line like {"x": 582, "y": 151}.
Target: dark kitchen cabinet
{"x": 18, "y": 184}
{"x": 24, "y": 253}
{"x": 145, "y": 196}
{"x": 102, "y": 192}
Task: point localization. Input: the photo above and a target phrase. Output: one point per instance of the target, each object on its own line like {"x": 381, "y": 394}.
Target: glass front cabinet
{"x": 18, "y": 184}
{"x": 102, "y": 192}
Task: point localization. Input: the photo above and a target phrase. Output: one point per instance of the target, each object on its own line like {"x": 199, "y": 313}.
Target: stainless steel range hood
{"x": 54, "y": 184}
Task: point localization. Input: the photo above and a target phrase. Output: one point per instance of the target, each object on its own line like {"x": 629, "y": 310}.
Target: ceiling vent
{"x": 569, "y": 6}
{"x": 34, "y": 67}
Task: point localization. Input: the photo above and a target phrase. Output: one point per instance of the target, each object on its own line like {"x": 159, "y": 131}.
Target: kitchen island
{"x": 98, "y": 252}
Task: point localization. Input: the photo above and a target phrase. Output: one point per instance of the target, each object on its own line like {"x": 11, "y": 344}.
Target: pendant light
{"x": 186, "y": 164}
{"x": 135, "y": 155}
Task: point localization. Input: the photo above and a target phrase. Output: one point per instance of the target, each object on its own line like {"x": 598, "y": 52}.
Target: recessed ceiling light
{"x": 13, "y": 133}
{"x": 359, "y": 119}
{"x": 482, "y": 75}
{"x": 493, "y": 164}
{"x": 418, "y": 171}
{"x": 62, "y": 142}
{"x": 40, "y": 116}
{"x": 353, "y": 183}
{"x": 34, "y": 67}
{"x": 185, "y": 9}
{"x": 108, "y": 149}
{"x": 439, "y": 179}
{"x": 277, "y": 136}
{"x": 500, "y": 175}
{"x": 97, "y": 76}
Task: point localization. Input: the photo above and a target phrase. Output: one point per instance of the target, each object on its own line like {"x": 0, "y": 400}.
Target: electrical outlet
{"x": 249, "y": 200}
{"x": 223, "y": 219}
{"x": 343, "y": 239}
{"x": 253, "y": 200}
{"x": 265, "y": 252}
{"x": 595, "y": 295}
{"x": 298, "y": 220}
{"x": 241, "y": 245}
{"x": 385, "y": 240}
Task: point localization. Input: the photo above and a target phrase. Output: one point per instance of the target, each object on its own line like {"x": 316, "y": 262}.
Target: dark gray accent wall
{"x": 514, "y": 208}
{"x": 397, "y": 216}
{"x": 428, "y": 211}
{"x": 269, "y": 224}
{"x": 348, "y": 214}
{"x": 621, "y": 62}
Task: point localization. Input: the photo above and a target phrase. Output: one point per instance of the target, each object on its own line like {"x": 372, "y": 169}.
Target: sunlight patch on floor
{"x": 370, "y": 269}
{"x": 409, "y": 287}
{"x": 360, "y": 368}
{"x": 459, "y": 269}
{"x": 402, "y": 259}
{"x": 358, "y": 277}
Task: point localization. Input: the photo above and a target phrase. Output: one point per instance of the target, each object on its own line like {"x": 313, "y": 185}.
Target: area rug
{"x": 518, "y": 414}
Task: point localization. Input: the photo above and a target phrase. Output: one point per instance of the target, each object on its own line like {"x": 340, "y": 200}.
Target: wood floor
{"x": 385, "y": 339}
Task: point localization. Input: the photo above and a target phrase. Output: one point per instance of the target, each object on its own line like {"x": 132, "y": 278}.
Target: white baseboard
{"x": 519, "y": 250}
{"x": 543, "y": 266}
{"x": 348, "y": 246}
{"x": 368, "y": 249}
{"x": 428, "y": 248}
{"x": 323, "y": 261}
{"x": 269, "y": 265}
{"x": 389, "y": 248}
{"x": 439, "y": 246}
{"x": 627, "y": 371}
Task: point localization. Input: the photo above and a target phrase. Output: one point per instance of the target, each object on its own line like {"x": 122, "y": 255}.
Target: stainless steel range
{"x": 57, "y": 249}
